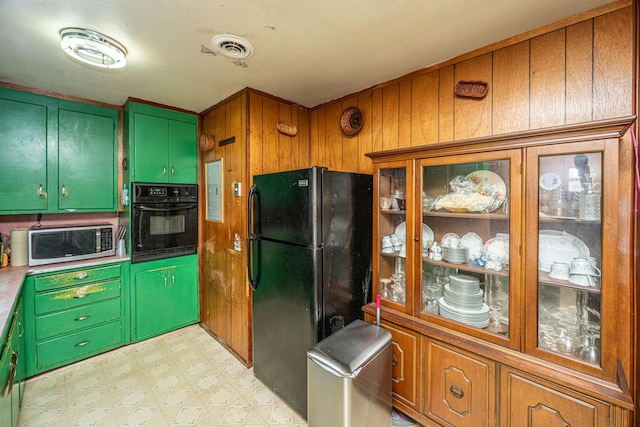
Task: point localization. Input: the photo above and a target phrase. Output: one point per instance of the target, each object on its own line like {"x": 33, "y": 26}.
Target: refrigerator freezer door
{"x": 287, "y": 209}
{"x": 346, "y": 228}
{"x": 285, "y": 318}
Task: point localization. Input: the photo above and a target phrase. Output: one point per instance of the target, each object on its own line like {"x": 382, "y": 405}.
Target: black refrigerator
{"x": 309, "y": 250}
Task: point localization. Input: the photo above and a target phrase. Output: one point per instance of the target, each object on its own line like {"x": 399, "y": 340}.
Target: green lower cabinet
{"x": 11, "y": 372}
{"x": 164, "y": 296}
{"x": 74, "y": 314}
{"x": 6, "y": 374}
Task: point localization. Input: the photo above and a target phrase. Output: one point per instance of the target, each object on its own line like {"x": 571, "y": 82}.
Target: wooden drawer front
{"x": 526, "y": 403}
{"x": 76, "y": 346}
{"x": 76, "y": 296}
{"x": 404, "y": 365}
{"x": 460, "y": 389}
{"x": 63, "y": 322}
{"x": 77, "y": 277}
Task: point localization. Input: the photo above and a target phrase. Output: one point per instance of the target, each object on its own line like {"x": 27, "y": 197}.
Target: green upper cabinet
{"x": 24, "y": 128}
{"x": 162, "y": 144}
{"x": 56, "y": 155}
{"x": 87, "y": 158}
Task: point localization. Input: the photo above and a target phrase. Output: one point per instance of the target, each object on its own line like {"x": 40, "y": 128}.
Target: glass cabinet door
{"x": 393, "y": 229}
{"x": 468, "y": 266}
{"x": 570, "y": 193}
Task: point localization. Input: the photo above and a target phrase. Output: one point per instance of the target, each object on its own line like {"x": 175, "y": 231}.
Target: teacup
{"x": 584, "y": 266}
{"x": 385, "y": 202}
{"x": 396, "y": 241}
{"x": 559, "y": 270}
{"x": 387, "y": 245}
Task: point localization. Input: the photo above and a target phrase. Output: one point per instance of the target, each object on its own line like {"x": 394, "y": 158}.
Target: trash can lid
{"x": 348, "y": 350}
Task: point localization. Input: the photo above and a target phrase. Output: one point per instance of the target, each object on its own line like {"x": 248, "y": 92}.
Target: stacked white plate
{"x": 477, "y": 318}
{"x": 464, "y": 284}
{"x": 463, "y": 301}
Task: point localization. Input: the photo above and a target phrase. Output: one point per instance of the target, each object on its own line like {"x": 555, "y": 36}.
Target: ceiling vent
{"x": 232, "y": 46}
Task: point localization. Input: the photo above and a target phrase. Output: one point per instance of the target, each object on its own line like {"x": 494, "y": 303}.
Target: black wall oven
{"x": 164, "y": 221}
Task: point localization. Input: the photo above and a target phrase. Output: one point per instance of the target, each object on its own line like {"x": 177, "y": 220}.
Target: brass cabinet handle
{"x": 81, "y": 275}
{"x": 456, "y": 391}
{"x": 82, "y": 344}
{"x": 394, "y": 360}
{"x": 63, "y": 191}
{"x": 173, "y": 171}
{"x": 81, "y": 318}
{"x": 40, "y": 191}
{"x": 164, "y": 170}
{"x": 165, "y": 279}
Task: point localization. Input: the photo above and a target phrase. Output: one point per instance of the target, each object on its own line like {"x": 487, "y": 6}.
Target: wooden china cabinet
{"x": 505, "y": 266}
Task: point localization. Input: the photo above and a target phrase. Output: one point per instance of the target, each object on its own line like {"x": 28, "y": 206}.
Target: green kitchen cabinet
{"x": 74, "y": 314}
{"x": 162, "y": 144}
{"x": 11, "y": 371}
{"x": 26, "y": 127}
{"x": 6, "y": 377}
{"x": 87, "y": 158}
{"x": 56, "y": 155}
{"x": 164, "y": 296}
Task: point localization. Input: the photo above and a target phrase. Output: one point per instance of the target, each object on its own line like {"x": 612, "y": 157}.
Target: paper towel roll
{"x": 19, "y": 247}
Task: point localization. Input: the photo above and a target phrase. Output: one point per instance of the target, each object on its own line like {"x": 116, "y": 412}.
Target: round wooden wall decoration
{"x": 207, "y": 142}
{"x": 351, "y": 121}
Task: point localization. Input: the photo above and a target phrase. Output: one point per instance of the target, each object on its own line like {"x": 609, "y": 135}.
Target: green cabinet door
{"x": 56, "y": 155}
{"x": 23, "y": 152}
{"x": 165, "y": 296}
{"x": 183, "y": 155}
{"x": 162, "y": 144}
{"x": 184, "y": 294}
{"x": 151, "y": 138}
{"x": 87, "y": 158}
{"x": 6, "y": 373}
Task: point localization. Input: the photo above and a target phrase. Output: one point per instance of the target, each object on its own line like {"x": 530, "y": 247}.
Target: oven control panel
{"x": 158, "y": 193}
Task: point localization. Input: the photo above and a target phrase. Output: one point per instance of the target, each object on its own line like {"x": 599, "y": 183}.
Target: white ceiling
{"x": 306, "y": 51}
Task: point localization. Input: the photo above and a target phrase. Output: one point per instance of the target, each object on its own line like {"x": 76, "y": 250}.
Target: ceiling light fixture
{"x": 93, "y": 48}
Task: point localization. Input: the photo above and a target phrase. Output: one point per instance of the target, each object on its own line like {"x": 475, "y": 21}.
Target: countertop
{"x": 11, "y": 279}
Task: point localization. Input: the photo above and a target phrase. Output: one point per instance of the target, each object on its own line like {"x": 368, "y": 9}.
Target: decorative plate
{"x": 499, "y": 247}
{"x": 490, "y": 184}
{"x": 550, "y": 181}
{"x": 401, "y": 230}
{"x": 473, "y": 242}
{"x": 445, "y": 239}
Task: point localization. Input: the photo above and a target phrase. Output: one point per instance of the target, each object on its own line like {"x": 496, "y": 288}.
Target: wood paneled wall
{"x": 225, "y": 303}
{"x": 251, "y": 117}
{"x": 572, "y": 72}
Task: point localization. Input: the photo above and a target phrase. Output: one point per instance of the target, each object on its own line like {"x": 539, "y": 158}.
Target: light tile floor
{"x": 184, "y": 378}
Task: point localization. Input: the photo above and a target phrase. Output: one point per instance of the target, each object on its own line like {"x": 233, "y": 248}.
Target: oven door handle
{"x": 170, "y": 209}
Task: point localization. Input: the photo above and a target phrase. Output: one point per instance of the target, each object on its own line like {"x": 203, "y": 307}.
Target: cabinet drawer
{"x": 76, "y": 346}
{"x": 76, "y": 296}
{"x": 525, "y": 402}
{"x": 63, "y": 322}
{"x": 459, "y": 387}
{"x": 76, "y": 277}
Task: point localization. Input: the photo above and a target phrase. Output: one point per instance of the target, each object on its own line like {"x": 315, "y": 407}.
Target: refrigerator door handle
{"x": 253, "y": 236}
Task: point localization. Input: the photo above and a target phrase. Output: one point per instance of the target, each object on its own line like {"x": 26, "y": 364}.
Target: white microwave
{"x": 62, "y": 244}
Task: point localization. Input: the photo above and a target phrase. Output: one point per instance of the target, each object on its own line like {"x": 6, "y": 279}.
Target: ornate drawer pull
{"x": 82, "y": 344}
{"x": 456, "y": 391}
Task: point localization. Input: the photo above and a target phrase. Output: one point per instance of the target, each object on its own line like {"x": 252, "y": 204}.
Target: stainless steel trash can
{"x": 349, "y": 378}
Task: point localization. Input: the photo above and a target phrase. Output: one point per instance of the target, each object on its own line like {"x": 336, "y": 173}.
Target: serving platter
{"x": 559, "y": 246}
